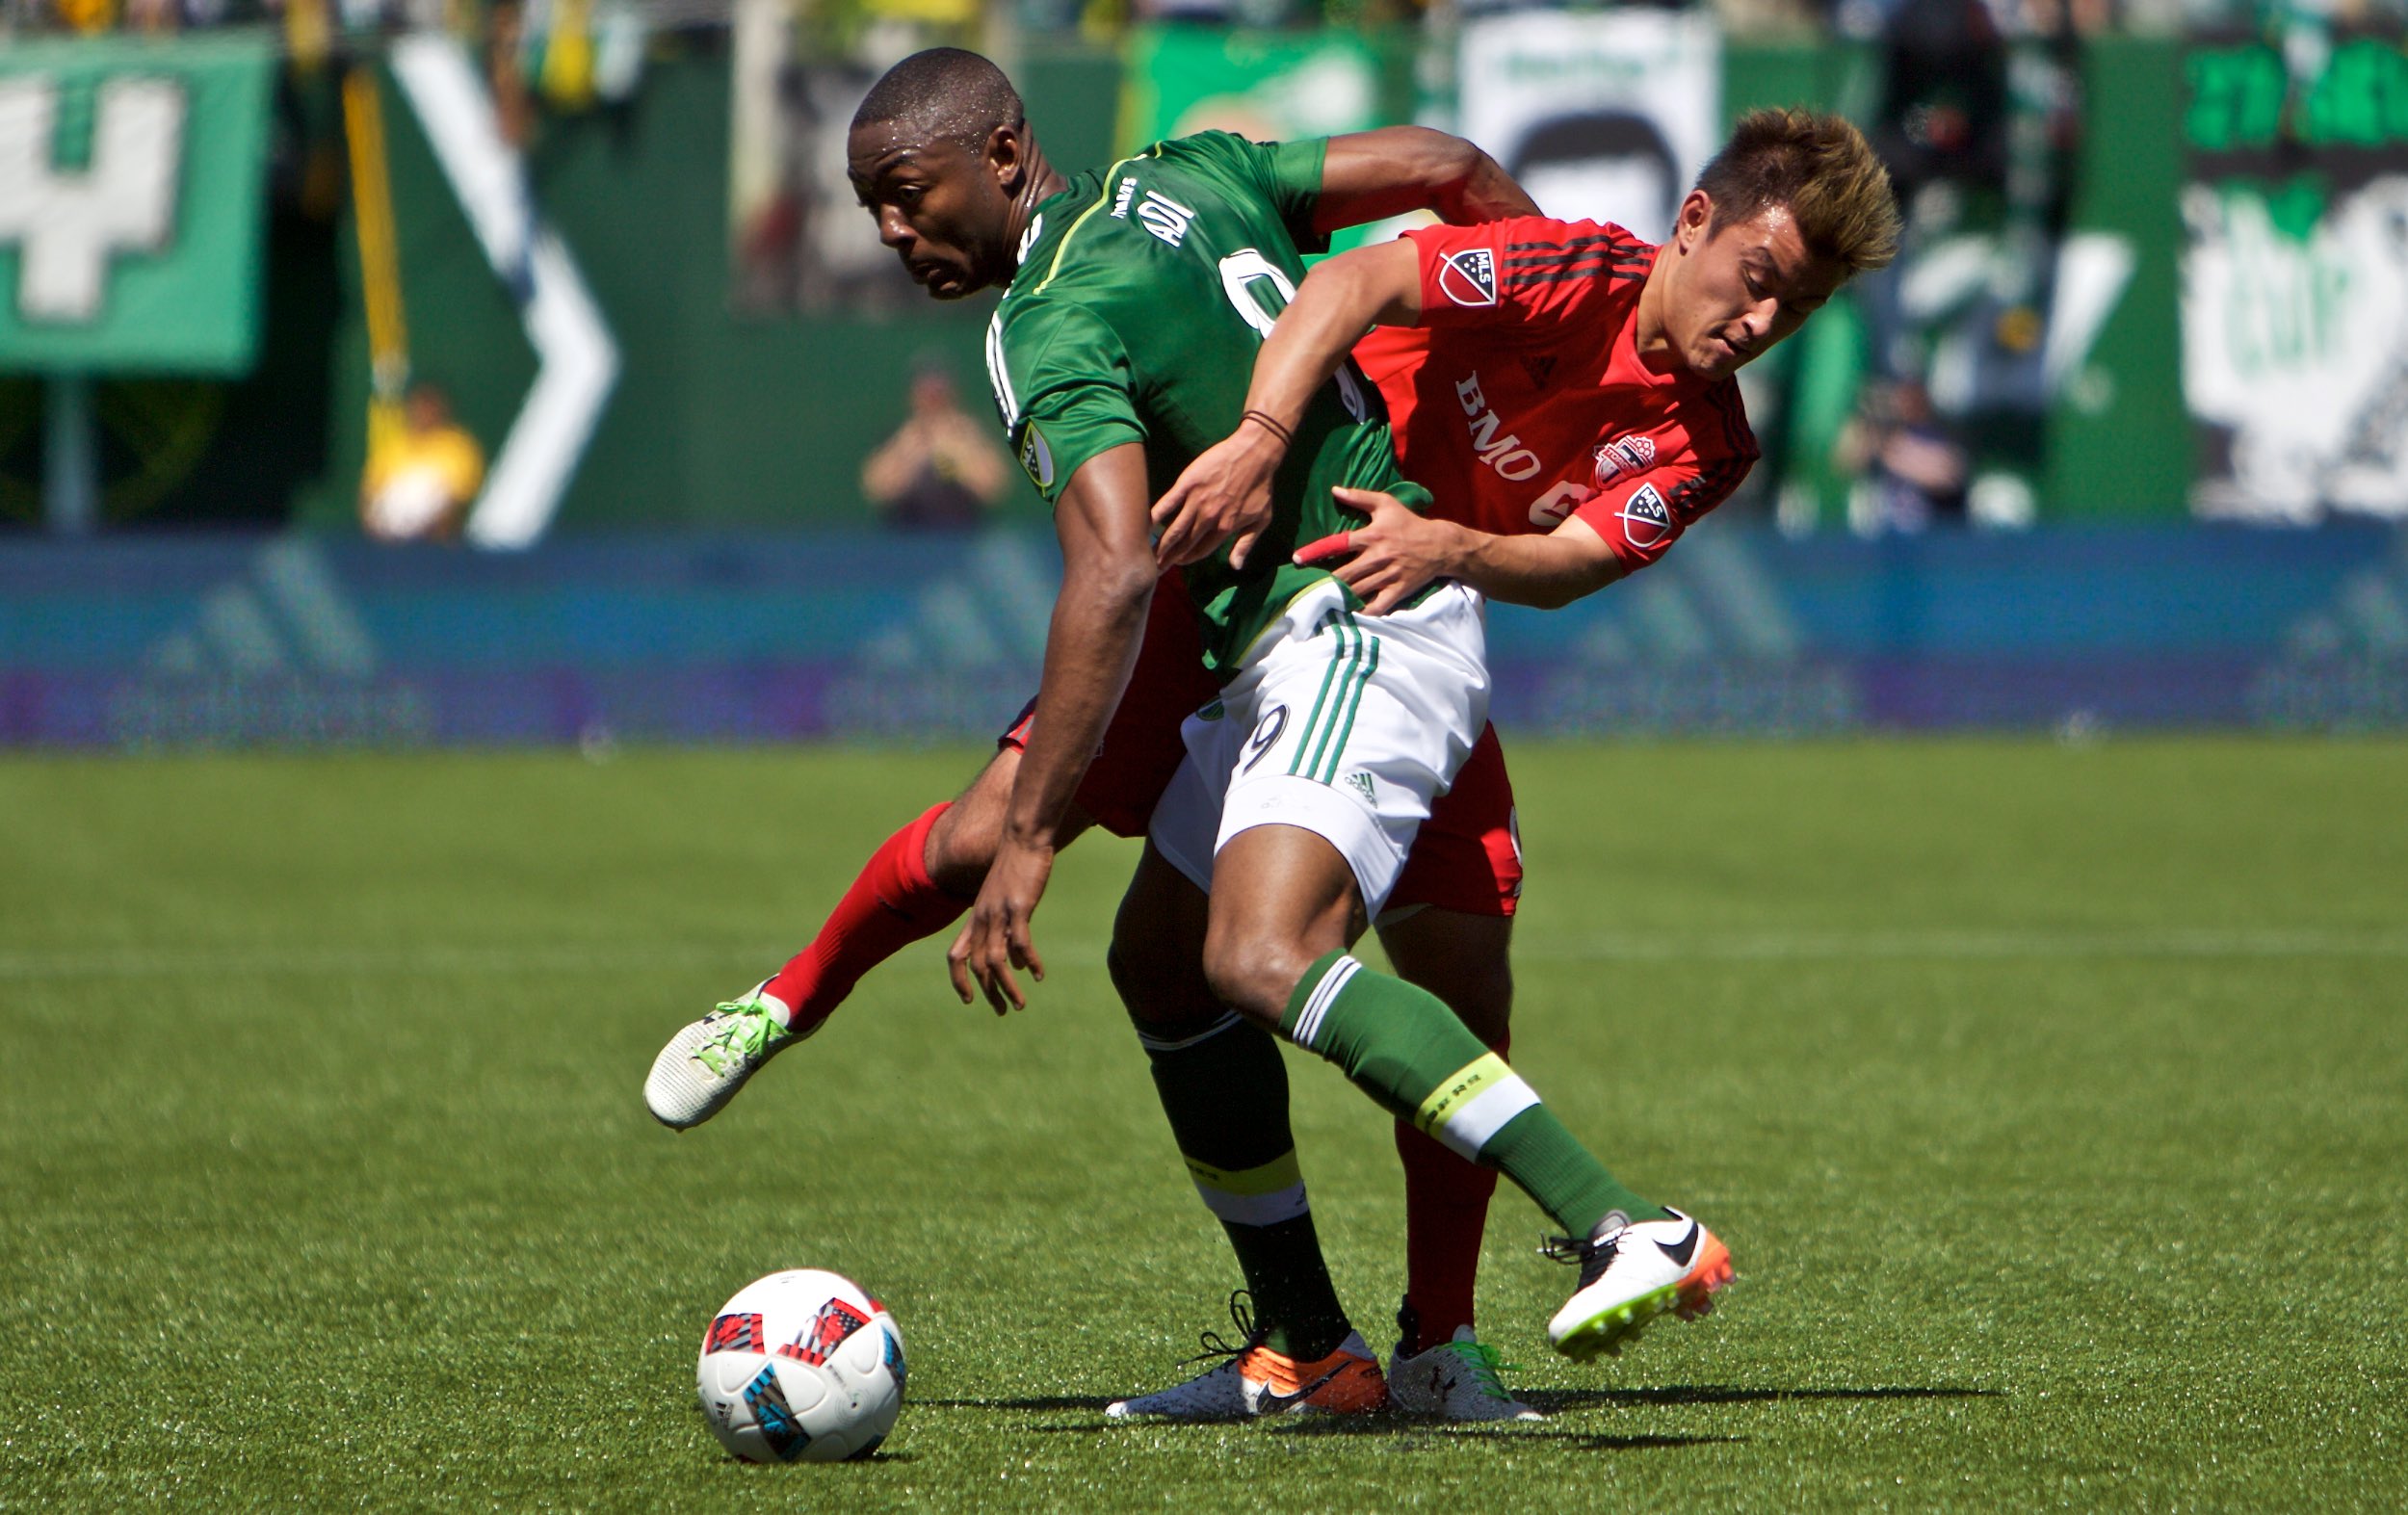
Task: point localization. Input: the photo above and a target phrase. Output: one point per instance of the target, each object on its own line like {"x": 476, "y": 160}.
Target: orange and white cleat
{"x": 1630, "y": 1275}
{"x": 1253, "y": 1380}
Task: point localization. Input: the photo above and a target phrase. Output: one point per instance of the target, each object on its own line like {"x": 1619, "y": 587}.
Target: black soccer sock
{"x": 1225, "y": 1090}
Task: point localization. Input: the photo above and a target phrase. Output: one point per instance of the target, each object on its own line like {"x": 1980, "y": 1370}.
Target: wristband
{"x": 1269, "y": 422}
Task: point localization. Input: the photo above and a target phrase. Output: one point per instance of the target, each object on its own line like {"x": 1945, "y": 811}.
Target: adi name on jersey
{"x": 1158, "y": 213}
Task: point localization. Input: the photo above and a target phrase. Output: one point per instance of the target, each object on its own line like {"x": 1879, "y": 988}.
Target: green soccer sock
{"x": 1225, "y": 1090}
{"x": 1406, "y": 1049}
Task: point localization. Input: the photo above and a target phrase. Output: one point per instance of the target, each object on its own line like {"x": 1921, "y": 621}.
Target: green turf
{"x": 2055, "y": 1103}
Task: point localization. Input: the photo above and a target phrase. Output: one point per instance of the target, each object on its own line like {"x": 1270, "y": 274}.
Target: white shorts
{"x": 1344, "y": 724}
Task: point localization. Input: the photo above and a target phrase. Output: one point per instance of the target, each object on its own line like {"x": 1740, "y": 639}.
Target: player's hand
{"x": 995, "y": 939}
{"x": 1386, "y": 559}
{"x": 1225, "y": 493}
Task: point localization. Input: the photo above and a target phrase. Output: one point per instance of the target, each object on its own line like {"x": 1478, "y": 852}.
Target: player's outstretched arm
{"x": 1375, "y": 175}
{"x": 1397, "y": 551}
{"x": 1099, "y": 618}
{"x": 1226, "y": 491}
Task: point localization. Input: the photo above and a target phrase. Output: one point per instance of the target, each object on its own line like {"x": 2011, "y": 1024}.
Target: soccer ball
{"x": 801, "y": 1367}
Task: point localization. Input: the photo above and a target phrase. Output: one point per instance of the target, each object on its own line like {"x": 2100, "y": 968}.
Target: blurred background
{"x": 421, "y": 372}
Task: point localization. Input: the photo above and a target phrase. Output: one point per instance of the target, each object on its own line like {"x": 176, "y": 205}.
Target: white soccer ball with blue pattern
{"x": 801, "y": 1367}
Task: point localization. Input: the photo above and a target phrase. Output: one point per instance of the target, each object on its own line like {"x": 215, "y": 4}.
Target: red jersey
{"x": 1521, "y": 399}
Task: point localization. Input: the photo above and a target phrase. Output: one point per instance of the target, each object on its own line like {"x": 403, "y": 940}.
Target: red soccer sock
{"x": 1446, "y": 1215}
{"x": 892, "y": 904}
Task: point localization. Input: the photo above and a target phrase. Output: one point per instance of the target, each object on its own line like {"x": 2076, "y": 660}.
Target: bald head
{"x": 944, "y": 94}
{"x": 942, "y": 158}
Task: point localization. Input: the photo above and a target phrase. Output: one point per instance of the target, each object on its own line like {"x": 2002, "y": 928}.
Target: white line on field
{"x": 314, "y": 961}
{"x": 1816, "y": 946}
{"x": 1940, "y": 946}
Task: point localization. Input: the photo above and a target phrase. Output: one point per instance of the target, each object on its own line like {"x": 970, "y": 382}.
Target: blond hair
{"x": 1821, "y": 168}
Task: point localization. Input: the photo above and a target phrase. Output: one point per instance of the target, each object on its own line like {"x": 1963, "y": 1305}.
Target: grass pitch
{"x": 2055, "y": 1103}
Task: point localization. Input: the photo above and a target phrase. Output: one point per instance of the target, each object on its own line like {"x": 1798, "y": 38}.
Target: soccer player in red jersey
{"x": 1566, "y": 391}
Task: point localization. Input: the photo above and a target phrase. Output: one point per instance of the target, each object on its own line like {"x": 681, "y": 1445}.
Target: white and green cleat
{"x": 704, "y": 1065}
{"x": 1454, "y": 1381}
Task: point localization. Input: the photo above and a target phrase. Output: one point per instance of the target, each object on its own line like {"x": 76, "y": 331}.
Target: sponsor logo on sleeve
{"x": 1469, "y": 278}
{"x": 1646, "y": 520}
{"x": 1628, "y": 455}
{"x": 1036, "y": 458}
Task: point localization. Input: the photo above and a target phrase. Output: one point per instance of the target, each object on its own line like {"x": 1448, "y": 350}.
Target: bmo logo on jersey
{"x": 1505, "y": 455}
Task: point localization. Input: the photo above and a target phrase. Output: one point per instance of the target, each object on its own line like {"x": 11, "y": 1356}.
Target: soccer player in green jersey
{"x": 1134, "y": 300}
{"x": 921, "y": 880}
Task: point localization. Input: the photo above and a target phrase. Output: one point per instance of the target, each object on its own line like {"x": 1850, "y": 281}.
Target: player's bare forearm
{"x": 1099, "y": 618}
{"x": 1339, "y": 299}
{"x": 1372, "y": 175}
{"x": 1089, "y": 648}
{"x": 1546, "y": 571}
{"x": 1396, "y": 552}
{"x": 1225, "y": 492}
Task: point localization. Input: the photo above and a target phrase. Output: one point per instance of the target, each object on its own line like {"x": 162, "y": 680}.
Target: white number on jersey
{"x": 1239, "y": 273}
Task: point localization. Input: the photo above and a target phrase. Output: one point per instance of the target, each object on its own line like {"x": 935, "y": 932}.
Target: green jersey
{"x": 1142, "y": 294}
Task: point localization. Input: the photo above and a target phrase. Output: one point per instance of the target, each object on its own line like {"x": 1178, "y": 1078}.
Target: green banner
{"x": 1268, "y": 86}
{"x": 2295, "y": 274}
{"x": 130, "y": 182}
